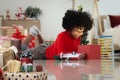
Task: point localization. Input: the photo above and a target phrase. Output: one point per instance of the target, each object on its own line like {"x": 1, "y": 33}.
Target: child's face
{"x": 77, "y": 32}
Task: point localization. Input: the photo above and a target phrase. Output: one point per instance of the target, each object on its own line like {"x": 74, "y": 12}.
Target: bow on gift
{"x": 18, "y": 35}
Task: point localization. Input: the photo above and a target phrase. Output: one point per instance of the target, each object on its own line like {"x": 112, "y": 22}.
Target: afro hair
{"x": 78, "y": 19}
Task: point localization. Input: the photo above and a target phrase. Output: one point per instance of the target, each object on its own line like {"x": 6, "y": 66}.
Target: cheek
{"x": 80, "y": 34}
{"x": 75, "y": 34}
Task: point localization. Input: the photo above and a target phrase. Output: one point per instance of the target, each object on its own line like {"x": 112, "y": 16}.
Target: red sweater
{"x": 64, "y": 43}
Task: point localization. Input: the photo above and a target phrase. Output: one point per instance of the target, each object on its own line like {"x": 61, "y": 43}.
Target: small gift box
{"x": 26, "y": 67}
{"x": 6, "y": 54}
{"x": 5, "y": 41}
{"x": 6, "y": 31}
{"x": 13, "y": 66}
{"x": 39, "y": 68}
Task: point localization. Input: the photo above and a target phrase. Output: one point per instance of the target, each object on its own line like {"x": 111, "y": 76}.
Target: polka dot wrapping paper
{"x": 24, "y": 76}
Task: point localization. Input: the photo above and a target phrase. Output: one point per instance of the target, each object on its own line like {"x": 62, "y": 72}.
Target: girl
{"x": 76, "y": 25}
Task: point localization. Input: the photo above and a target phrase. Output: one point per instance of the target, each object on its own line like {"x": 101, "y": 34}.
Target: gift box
{"x": 13, "y": 66}
{"x": 91, "y": 51}
{"x": 39, "y": 68}
{"x": 6, "y": 54}
{"x": 17, "y": 32}
{"x": 5, "y": 41}
{"x": 24, "y": 76}
{"x": 6, "y": 31}
{"x": 26, "y": 67}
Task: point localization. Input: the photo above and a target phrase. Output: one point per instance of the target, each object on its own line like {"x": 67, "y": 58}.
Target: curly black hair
{"x": 78, "y": 19}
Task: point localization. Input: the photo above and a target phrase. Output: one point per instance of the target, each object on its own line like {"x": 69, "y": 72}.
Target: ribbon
{"x": 18, "y": 35}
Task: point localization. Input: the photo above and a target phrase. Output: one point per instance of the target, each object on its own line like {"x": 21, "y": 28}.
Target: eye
{"x": 81, "y": 28}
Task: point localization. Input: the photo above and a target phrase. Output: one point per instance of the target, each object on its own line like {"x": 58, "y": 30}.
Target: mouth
{"x": 76, "y": 37}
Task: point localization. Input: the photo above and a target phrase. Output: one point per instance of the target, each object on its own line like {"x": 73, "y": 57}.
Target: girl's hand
{"x": 82, "y": 56}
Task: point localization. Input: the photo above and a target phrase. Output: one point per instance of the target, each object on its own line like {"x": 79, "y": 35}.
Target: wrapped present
{"x": 6, "y": 31}
{"x": 5, "y": 41}
{"x": 18, "y": 35}
{"x": 25, "y": 76}
{"x": 13, "y": 31}
{"x": 91, "y": 51}
{"x": 6, "y": 54}
{"x": 39, "y": 68}
{"x": 13, "y": 66}
{"x": 26, "y": 67}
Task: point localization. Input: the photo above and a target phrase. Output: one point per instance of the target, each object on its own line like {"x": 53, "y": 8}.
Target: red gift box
{"x": 91, "y": 51}
{"x": 39, "y": 68}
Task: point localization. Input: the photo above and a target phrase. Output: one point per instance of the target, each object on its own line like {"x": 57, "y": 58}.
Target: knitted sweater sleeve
{"x": 60, "y": 44}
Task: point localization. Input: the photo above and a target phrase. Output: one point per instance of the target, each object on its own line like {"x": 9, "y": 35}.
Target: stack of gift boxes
{"x": 10, "y": 68}
{"x": 10, "y": 35}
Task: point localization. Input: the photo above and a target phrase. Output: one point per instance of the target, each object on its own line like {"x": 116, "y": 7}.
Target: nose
{"x": 80, "y": 34}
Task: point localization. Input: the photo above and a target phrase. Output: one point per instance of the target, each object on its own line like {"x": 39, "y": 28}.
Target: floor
{"x": 81, "y": 69}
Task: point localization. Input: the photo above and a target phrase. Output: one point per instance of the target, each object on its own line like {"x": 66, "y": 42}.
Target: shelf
{"x": 25, "y": 23}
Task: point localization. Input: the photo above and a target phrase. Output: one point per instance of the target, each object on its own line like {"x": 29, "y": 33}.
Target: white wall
{"x": 109, "y": 7}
